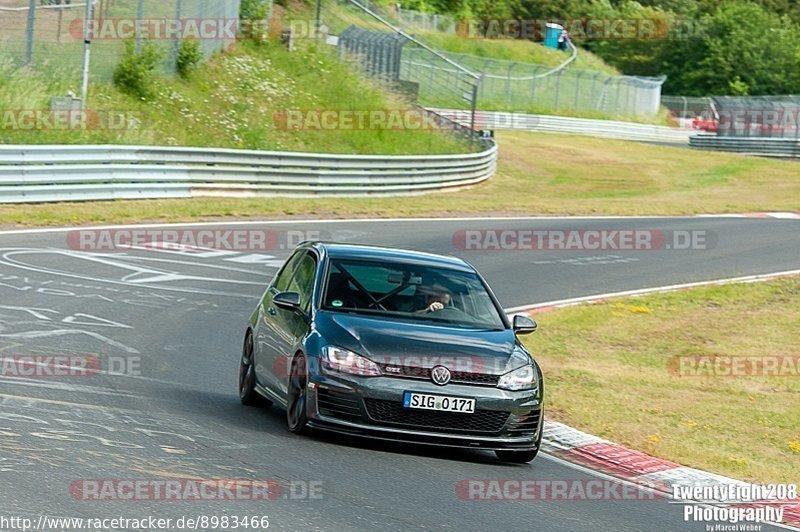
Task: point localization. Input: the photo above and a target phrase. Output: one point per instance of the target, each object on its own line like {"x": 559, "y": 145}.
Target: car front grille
{"x": 393, "y": 413}
{"x": 456, "y": 377}
{"x": 338, "y": 404}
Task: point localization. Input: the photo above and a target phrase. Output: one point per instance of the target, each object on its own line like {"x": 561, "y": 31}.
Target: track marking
{"x": 67, "y": 403}
{"x": 363, "y": 220}
{"x": 654, "y": 290}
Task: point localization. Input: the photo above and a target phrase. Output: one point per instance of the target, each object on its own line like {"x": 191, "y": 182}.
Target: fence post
{"x": 628, "y": 98}
{"x": 139, "y": 17}
{"x": 534, "y": 77}
{"x": 60, "y": 23}
{"x": 558, "y": 88}
{"x": 30, "y": 31}
{"x": 87, "y": 41}
{"x": 594, "y": 85}
{"x": 176, "y": 46}
{"x": 318, "y": 19}
{"x": 508, "y": 84}
{"x": 474, "y": 106}
{"x": 432, "y": 67}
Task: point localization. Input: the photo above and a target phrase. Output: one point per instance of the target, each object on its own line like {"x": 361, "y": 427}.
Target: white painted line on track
{"x": 374, "y": 220}
{"x": 653, "y": 290}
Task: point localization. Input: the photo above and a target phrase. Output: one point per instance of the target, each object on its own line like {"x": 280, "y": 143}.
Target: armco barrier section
{"x": 79, "y": 173}
{"x": 766, "y": 147}
{"x": 498, "y": 120}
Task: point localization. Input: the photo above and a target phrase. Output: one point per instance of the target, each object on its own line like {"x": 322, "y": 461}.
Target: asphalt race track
{"x": 173, "y": 322}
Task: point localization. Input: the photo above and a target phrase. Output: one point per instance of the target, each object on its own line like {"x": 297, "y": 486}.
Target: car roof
{"x": 338, "y": 250}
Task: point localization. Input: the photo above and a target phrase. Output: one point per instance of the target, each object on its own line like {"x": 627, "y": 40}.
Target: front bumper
{"x": 372, "y": 407}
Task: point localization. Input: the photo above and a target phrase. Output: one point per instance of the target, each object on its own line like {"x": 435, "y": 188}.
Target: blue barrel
{"x": 551, "y": 33}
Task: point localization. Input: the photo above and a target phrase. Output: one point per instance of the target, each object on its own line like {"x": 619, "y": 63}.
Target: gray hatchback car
{"x": 395, "y": 345}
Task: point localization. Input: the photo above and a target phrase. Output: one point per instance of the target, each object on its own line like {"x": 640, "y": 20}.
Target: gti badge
{"x": 440, "y": 375}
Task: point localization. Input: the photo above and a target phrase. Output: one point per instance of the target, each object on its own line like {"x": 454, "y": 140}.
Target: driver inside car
{"x": 437, "y": 298}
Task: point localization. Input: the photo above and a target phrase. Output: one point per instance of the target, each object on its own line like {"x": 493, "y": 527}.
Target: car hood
{"x": 406, "y": 343}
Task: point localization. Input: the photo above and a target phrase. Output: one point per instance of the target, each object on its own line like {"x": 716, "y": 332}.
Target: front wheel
{"x": 296, "y": 417}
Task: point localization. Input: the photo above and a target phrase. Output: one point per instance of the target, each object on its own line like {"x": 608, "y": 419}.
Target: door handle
{"x": 272, "y": 310}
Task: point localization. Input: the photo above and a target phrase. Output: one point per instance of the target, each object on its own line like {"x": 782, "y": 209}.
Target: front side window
{"x": 410, "y": 291}
{"x": 284, "y": 277}
{"x": 303, "y": 280}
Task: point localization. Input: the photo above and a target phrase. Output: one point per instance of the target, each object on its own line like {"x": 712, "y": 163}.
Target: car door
{"x": 294, "y": 325}
{"x": 266, "y": 333}
{"x": 282, "y": 328}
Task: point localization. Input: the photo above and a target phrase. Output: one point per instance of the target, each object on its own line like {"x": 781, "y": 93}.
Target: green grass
{"x": 539, "y": 174}
{"x": 608, "y": 372}
{"x": 520, "y": 51}
{"x": 581, "y": 91}
{"x": 231, "y": 101}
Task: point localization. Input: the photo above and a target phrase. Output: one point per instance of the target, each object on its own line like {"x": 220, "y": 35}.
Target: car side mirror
{"x": 524, "y": 325}
{"x": 287, "y": 301}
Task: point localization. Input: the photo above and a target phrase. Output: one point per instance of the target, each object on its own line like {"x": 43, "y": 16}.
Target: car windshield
{"x": 412, "y": 291}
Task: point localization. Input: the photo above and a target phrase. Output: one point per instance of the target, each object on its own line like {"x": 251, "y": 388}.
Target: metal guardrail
{"x": 579, "y": 126}
{"x": 31, "y": 174}
{"x": 766, "y": 147}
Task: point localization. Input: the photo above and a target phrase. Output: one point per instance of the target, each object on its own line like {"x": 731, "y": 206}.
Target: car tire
{"x": 296, "y": 417}
{"x": 247, "y": 376}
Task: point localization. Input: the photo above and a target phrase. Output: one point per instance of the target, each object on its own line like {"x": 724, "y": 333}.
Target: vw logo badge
{"x": 440, "y": 375}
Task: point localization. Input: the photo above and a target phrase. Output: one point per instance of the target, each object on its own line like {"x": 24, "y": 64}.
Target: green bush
{"x": 134, "y": 73}
{"x": 189, "y": 55}
{"x": 254, "y": 15}
{"x": 253, "y": 9}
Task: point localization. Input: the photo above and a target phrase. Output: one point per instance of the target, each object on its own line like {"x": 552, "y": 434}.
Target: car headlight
{"x": 523, "y": 378}
{"x": 336, "y": 359}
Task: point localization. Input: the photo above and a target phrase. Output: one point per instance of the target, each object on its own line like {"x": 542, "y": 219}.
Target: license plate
{"x": 442, "y": 403}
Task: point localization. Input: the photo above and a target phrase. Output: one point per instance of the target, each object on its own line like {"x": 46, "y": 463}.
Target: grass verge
{"x": 235, "y": 100}
{"x": 539, "y": 174}
{"x": 608, "y": 372}
{"x": 522, "y": 51}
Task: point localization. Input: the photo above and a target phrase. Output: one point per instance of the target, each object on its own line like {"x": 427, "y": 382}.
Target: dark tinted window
{"x": 303, "y": 280}
{"x": 284, "y": 277}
